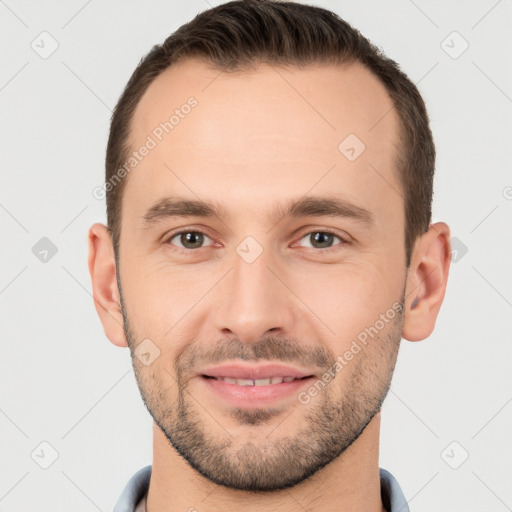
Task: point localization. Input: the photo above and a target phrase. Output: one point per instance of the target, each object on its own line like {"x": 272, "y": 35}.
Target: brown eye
{"x": 322, "y": 239}
{"x": 189, "y": 239}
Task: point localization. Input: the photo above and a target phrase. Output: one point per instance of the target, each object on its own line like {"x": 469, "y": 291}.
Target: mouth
{"x": 257, "y": 382}
{"x": 244, "y": 385}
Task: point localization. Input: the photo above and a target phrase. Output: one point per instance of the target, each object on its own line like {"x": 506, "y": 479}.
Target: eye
{"x": 188, "y": 239}
{"x": 322, "y": 239}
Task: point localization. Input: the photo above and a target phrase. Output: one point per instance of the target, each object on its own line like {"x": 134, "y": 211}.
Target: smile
{"x": 256, "y": 382}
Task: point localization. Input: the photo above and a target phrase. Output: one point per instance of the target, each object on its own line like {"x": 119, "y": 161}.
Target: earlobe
{"x": 426, "y": 282}
{"x": 102, "y": 268}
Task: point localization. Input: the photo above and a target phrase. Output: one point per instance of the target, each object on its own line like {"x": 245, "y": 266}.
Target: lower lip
{"x": 254, "y": 396}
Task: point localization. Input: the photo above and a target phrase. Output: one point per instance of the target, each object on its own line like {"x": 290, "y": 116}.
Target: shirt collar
{"x": 138, "y": 485}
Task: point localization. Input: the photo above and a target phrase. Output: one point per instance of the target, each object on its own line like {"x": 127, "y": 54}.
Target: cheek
{"x": 369, "y": 356}
{"x": 349, "y": 297}
{"x": 163, "y": 304}
{"x": 158, "y": 295}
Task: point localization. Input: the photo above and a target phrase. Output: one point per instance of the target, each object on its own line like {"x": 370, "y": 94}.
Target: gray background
{"x": 62, "y": 382}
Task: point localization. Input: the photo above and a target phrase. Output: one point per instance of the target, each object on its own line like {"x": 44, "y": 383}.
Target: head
{"x": 269, "y": 178}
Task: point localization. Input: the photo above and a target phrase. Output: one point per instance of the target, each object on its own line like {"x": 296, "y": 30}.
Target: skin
{"x": 256, "y": 140}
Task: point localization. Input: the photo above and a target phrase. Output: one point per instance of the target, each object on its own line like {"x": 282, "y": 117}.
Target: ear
{"x": 102, "y": 267}
{"x": 426, "y": 282}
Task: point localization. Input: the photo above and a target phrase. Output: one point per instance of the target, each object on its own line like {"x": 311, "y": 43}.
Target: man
{"x": 269, "y": 186}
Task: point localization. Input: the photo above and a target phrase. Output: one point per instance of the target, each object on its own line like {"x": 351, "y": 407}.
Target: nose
{"x": 254, "y": 301}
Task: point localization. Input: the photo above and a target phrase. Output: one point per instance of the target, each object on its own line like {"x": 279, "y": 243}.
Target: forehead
{"x": 271, "y": 129}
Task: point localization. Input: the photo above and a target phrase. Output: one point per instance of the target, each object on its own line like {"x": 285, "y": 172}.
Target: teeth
{"x": 244, "y": 382}
{"x": 256, "y": 382}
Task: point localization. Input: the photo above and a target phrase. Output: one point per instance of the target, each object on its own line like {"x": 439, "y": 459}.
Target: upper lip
{"x": 261, "y": 371}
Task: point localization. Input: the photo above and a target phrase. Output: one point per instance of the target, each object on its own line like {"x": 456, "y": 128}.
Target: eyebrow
{"x": 310, "y": 206}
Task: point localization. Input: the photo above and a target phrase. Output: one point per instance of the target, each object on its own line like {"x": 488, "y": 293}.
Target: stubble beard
{"x": 330, "y": 426}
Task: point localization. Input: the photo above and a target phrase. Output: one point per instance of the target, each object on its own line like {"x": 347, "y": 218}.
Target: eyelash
{"x": 315, "y": 249}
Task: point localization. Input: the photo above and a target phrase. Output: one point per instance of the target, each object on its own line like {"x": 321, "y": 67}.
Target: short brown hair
{"x": 240, "y": 34}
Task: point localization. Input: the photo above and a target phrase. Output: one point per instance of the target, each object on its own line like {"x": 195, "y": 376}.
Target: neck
{"x": 350, "y": 482}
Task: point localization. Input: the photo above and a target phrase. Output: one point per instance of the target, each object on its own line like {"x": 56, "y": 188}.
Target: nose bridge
{"x": 253, "y": 300}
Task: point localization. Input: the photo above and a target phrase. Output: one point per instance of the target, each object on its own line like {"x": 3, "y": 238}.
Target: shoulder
{"x": 393, "y": 498}
{"x": 134, "y": 491}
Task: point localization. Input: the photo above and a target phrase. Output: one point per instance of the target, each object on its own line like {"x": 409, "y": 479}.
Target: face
{"x": 266, "y": 322}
